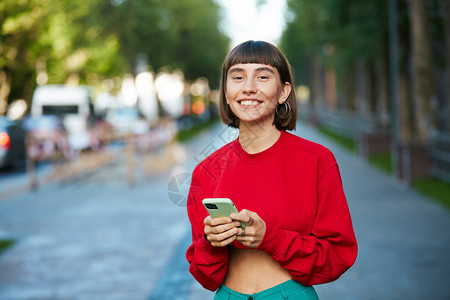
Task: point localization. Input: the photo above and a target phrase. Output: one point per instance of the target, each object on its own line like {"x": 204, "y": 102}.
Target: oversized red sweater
{"x": 296, "y": 188}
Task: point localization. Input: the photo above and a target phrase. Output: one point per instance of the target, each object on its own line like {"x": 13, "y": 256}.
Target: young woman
{"x": 298, "y": 228}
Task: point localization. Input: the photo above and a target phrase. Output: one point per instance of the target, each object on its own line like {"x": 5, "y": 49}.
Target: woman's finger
{"x": 246, "y": 216}
{"x": 217, "y": 221}
{"x": 243, "y": 216}
{"x": 218, "y": 239}
{"x": 220, "y": 228}
{"x": 225, "y": 242}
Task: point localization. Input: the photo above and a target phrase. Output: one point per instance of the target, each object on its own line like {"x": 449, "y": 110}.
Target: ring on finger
{"x": 243, "y": 232}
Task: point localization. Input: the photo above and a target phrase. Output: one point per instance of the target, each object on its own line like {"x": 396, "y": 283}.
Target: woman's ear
{"x": 285, "y": 92}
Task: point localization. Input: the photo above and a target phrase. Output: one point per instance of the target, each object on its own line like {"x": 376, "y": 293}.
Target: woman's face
{"x": 253, "y": 91}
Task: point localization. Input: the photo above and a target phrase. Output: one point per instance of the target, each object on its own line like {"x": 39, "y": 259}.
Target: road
{"x": 97, "y": 237}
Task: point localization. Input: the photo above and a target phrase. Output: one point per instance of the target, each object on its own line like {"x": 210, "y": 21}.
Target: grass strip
{"x": 346, "y": 142}
{"x": 4, "y": 244}
{"x": 434, "y": 188}
{"x": 382, "y": 161}
{"x": 186, "y": 134}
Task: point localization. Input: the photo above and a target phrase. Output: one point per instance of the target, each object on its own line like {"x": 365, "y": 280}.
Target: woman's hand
{"x": 254, "y": 231}
{"x": 221, "y": 232}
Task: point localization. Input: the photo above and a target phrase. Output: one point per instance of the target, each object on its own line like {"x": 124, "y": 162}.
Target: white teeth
{"x": 249, "y": 103}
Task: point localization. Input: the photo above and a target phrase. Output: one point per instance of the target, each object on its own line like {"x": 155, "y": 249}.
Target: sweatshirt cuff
{"x": 273, "y": 241}
{"x": 210, "y": 252}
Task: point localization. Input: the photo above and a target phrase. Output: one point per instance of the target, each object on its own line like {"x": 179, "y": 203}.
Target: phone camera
{"x": 211, "y": 206}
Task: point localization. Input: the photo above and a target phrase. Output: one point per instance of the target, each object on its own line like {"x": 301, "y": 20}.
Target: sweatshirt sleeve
{"x": 208, "y": 264}
{"x": 329, "y": 250}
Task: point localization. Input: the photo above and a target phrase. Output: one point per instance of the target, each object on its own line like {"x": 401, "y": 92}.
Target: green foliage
{"x": 19, "y": 31}
{"x": 200, "y": 48}
{"x": 177, "y": 34}
{"x": 340, "y": 30}
{"x": 105, "y": 39}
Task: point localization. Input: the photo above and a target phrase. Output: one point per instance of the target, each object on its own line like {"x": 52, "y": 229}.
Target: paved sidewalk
{"x": 98, "y": 238}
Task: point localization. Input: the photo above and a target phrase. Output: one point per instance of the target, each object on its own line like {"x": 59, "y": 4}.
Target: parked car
{"x": 12, "y": 143}
{"x": 72, "y": 104}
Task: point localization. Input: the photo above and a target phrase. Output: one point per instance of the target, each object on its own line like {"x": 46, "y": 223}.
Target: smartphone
{"x": 220, "y": 207}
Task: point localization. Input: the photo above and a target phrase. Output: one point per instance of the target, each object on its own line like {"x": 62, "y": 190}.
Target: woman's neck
{"x": 255, "y": 138}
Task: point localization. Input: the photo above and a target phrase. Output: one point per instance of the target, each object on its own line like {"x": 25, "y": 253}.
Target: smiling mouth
{"x": 249, "y": 103}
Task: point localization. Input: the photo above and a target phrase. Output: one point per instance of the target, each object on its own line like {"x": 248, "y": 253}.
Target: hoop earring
{"x": 287, "y": 110}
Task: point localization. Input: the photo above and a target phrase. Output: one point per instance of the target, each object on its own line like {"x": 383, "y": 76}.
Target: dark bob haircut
{"x": 259, "y": 52}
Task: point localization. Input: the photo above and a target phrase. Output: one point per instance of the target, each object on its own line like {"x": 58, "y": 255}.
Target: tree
{"x": 447, "y": 58}
{"x": 302, "y": 42}
{"x": 347, "y": 36}
{"x": 94, "y": 39}
{"x": 177, "y": 34}
{"x": 20, "y": 24}
{"x": 46, "y": 37}
{"x": 422, "y": 64}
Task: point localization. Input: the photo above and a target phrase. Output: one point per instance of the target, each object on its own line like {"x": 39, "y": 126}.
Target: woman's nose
{"x": 249, "y": 86}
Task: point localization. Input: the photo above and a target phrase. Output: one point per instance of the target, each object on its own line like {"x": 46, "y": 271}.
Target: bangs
{"x": 254, "y": 52}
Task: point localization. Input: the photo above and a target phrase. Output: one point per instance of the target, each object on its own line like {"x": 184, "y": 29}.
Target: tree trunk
{"x": 422, "y": 66}
{"x": 350, "y": 88}
{"x": 330, "y": 88}
{"x": 446, "y": 4}
{"x": 371, "y": 89}
{"x": 341, "y": 87}
{"x": 316, "y": 83}
{"x": 381, "y": 93}
{"x": 405, "y": 108}
{"x": 362, "y": 105}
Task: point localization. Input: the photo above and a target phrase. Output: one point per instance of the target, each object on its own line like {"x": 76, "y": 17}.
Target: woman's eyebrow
{"x": 265, "y": 69}
{"x": 236, "y": 70}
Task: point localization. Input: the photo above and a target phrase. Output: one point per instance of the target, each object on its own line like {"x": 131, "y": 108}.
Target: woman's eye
{"x": 263, "y": 77}
{"x": 237, "y": 77}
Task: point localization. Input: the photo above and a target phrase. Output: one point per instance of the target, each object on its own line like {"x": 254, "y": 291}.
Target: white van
{"x": 73, "y": 104}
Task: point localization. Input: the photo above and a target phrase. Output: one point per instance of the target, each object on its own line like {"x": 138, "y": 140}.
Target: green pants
{"x": 287, "y": 290}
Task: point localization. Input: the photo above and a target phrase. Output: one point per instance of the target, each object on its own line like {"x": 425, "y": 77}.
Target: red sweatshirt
{"x": 296, "y": 188}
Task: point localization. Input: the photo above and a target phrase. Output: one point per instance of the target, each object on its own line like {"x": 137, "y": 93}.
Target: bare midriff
{"x": 252, "y": 271}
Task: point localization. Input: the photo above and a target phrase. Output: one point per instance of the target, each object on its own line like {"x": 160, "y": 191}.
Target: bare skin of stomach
{"x": 252, "y": 271}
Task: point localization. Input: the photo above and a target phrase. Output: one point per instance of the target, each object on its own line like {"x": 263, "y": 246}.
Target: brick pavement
{"x": 98, "y": 238}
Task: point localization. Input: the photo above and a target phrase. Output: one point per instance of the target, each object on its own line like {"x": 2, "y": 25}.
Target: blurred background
{"x": 126, "y": 87}
{"x": 375, "y": 73}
